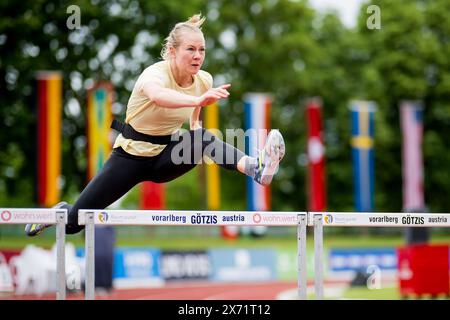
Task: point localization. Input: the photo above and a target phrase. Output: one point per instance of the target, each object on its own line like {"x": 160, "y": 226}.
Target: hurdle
{"x": 363, "y": 219}
{"x": 45, "y": 216}
{"x": 90, "y": 218}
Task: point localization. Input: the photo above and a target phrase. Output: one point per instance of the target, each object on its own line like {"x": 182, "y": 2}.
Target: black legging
{"x": 122, "y": 171}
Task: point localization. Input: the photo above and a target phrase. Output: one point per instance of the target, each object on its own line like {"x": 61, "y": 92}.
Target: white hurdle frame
{"x": 46, "y": 216}
{"x": 363, "y": 219}
{"x": 90, "y": 218}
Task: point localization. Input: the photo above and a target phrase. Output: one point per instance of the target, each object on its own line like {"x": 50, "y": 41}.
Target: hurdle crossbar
{"x": 44, "y": 216}
{"x": 364, "y": 219}
{"x": 90, "y": 218}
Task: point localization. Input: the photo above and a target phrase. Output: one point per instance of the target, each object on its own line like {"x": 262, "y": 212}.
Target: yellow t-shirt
{"x": 147, "y": 117}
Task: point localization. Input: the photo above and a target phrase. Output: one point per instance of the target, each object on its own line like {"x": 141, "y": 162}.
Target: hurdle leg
{"x": 90, "y": 257}
{"x": 301, "y": 256}
{"x": 318, "y": 256}
{"x": 61, "y": 220}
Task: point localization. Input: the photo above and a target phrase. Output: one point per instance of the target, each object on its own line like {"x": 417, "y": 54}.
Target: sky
{"x": 347, "y": 9}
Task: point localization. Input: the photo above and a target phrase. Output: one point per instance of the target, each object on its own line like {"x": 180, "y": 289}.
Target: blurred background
{"x": 337, "y": 79}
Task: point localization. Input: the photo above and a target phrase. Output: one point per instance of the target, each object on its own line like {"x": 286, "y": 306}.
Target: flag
{"x": 362, "y": 142}
{"x": 49, "y": 92}
{"x": 212, "y": 170}
{"x": 211, "y": 122}
{"x": 257, "y": 124}
{"x": 316, "y": 156}
{"x": 152, "y": 196}
{"x": 411, "y": 118}
{"x": 99, "y": 117}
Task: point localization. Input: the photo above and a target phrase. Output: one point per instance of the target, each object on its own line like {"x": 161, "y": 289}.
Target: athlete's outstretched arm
{"x": 170, "y": 98}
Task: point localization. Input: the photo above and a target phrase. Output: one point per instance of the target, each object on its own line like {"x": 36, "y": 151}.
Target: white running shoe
{"x": 269, "y": 158}
{"x": 34, "y": 229}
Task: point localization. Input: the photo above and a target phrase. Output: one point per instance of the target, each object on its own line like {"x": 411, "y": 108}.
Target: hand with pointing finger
{"x": 213, "y": 95}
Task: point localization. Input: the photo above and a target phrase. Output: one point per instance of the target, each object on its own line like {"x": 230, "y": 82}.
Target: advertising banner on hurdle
{"x": 184, "y": 218}
{"x": 383, "y": 219}
{"x": 362, "y": 142}
{"x": 249, "y": 265}
{"x": 257, "y": 124}
{"x": 49, "y": 109}
{"x": 24, "y": 216}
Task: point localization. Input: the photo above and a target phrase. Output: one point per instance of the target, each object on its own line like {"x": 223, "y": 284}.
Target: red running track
{"x": 186, "y": 291}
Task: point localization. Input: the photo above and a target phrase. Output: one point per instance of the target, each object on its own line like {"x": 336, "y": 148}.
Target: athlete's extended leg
{"x": 183, "y": 155}
{"x": 262, "y": 168}
{"x": 120, "y": 173}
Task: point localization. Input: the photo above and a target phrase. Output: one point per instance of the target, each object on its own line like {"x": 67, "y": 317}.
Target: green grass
{"x": 207, "y": 242}
{"x": 387, "y": 293}
{"x": 391, "y": 293}
{"x": 363, "y": 293}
